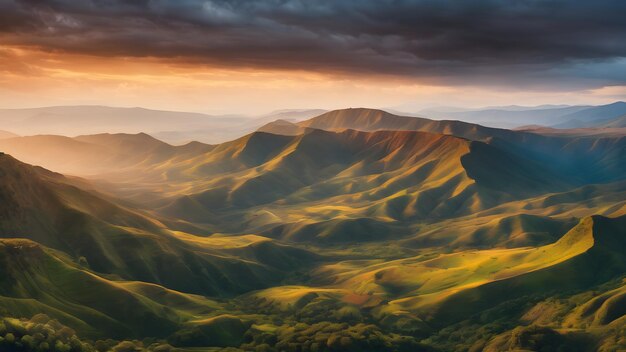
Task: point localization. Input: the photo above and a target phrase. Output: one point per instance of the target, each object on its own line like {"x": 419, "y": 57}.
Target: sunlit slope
{"x": 381, "y": 184}
{"x": 590, "y": 319}
{"x": 143, "y": 162}
{"x": 47, "y": 208}
{"x": 375, "y": 120}
{"x": 282, "y": 127}
{"x": 529, "y": 222}
{"x": 514, "y": 229}
{"x": 382, "y": 176}
{"x": 146, "y": 170}
{"x": 451, "y": 286}
{"x": 37, "y": 279}
{"x": 587, "y": 158}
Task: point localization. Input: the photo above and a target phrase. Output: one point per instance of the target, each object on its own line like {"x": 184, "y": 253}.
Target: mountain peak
{"x": 354, "y": 113}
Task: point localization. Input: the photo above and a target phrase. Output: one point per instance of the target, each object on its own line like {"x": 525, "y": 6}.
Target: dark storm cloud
{"x": 439, "y": 39}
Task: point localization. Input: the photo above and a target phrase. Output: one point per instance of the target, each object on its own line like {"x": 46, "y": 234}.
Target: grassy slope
{"x": 39, "y": 279}
{"x": 42, "y": 206}
{"x": 600, "y": 262}
{"x": 529, "y": 222}
{"x": 351, "y": 181}
{"x": 440, "y": 288}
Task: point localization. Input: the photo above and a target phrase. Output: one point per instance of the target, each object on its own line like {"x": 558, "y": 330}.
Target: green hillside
{"x": 113, "y": 239}
{"x": 40, "y": 280}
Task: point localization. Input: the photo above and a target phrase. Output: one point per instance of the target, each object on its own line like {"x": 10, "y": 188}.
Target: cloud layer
{"x": 455, "y": 41}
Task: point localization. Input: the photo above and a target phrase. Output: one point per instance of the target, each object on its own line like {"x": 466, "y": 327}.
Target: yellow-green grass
{"x": 416, "y": 283}
{"x": 608, "y": 308}
{"x": 387, "y": 175}
{"x": 126, "y": 243}
{"x": 287, "y": 297}
{"x": 44, "y": 280}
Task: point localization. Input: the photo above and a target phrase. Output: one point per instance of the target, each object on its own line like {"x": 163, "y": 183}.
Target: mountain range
{"x": 354, "y": 229}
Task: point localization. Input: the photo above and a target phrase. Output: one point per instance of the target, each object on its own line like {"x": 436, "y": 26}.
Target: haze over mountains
{"x": 183, "y": 127}
{"x": 354, "y": 229}
{"x": 549, "y": 116}
{"x": 171, "y": 126}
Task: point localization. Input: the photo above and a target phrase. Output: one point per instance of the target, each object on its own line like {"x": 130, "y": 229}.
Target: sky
{"x": 255, "y": 56}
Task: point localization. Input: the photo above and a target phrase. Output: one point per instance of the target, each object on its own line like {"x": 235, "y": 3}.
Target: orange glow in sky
{"x": 31, "y": 77}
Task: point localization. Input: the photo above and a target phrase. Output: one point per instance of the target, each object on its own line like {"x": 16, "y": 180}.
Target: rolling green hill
{"x": 451, "y": 287}
{"x": 36, "y": 280}
{"x": 113, "y": 239}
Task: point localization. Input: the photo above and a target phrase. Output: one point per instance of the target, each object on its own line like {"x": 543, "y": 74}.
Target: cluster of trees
{"x": 310, "y": 309}
{"x": 220, "y": 331}
{"x": 39, "y": 334}
{"x": 328, "y": 336}
{"x": 42, "y": 334}
{"x": 319, "y": 323}
{"x": 539, "y": 338}
{"x": 314, "y": 308}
